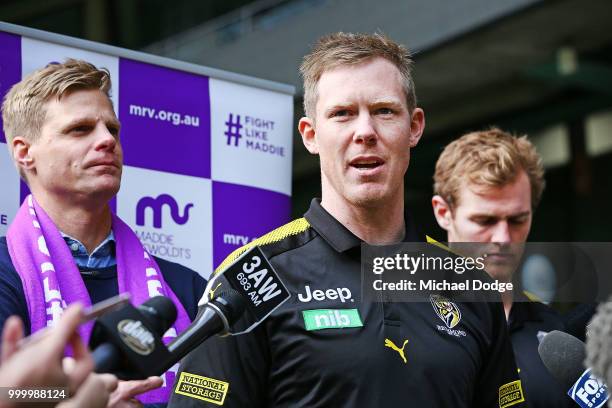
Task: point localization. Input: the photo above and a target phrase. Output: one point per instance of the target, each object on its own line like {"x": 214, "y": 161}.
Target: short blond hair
{"x": 340, "y": 49}
{"x": 23, "y": 108}
{"x": 488, "y": 158}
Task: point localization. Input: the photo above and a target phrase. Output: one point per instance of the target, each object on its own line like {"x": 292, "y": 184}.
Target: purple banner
{"x": 165, "y": 118}
{"x": 241, "y": 214}
{"x": 10, "y": 67}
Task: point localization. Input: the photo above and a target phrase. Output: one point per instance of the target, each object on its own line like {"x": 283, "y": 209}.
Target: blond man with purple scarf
{"x": 65, "y": 245}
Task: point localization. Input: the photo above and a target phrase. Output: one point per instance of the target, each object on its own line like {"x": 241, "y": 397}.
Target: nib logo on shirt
{"x": 320, "y": 319}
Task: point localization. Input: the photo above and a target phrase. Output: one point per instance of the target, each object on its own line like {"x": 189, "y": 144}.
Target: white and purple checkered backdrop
{"x": 207, "y": 153}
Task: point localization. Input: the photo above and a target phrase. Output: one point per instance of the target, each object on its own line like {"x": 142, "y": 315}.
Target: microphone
{"x": 214, "y": 317}
{"x": 599, "y": 342}
{"x": 128, "y": 342}
{"x": 253, "y": 278}
{"x": 564, "y": 356}
{"x": 120, "y": 340}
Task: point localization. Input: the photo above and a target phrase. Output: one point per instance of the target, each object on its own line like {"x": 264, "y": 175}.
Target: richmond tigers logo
{"x": 446, "y": 310}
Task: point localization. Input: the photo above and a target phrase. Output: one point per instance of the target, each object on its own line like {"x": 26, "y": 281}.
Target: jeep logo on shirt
{"x": 342, "y": 294}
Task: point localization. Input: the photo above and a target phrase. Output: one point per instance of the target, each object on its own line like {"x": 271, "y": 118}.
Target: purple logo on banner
{"x": 241, "y": 214}
{"x": 10, "y": 67}
{"x": 165, "y": 118}
{"x": 157, "y": 204}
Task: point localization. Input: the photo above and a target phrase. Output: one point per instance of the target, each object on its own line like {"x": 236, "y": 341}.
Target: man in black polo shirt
{"x": 325, "y": 347}
{"x": 487, "y": 185}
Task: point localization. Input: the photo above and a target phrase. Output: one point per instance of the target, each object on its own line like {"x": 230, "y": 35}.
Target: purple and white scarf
{"x": 51, "y": 279}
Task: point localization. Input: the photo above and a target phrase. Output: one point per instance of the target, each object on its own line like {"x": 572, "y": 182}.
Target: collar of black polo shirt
{"x": 339, "y": 237}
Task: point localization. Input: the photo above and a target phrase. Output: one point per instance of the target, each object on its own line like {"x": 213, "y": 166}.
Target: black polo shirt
{"x": 528, "y": 323}
{"x": 326, "y": 348}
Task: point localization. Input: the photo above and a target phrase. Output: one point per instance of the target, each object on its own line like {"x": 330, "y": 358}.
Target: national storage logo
{"x": 202, "y": 388}
{"x": 252, "y": 133}
{"x": 511, "y": 394}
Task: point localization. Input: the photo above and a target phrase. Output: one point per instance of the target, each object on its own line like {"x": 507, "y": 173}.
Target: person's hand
{"x": 38, "y": 363}
{"x": 93, "y": 393}
{"x": 124, "y": 395}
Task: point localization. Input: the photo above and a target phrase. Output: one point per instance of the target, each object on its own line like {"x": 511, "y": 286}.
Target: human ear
{"x": 308, "y": 133}
{"x": 442, "y": 212}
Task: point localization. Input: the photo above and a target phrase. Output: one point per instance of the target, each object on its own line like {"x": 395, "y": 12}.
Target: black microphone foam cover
{"x": 563, "y": 355}
{"x": 231, "y": 303}
{"x": 160, "y": 313}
